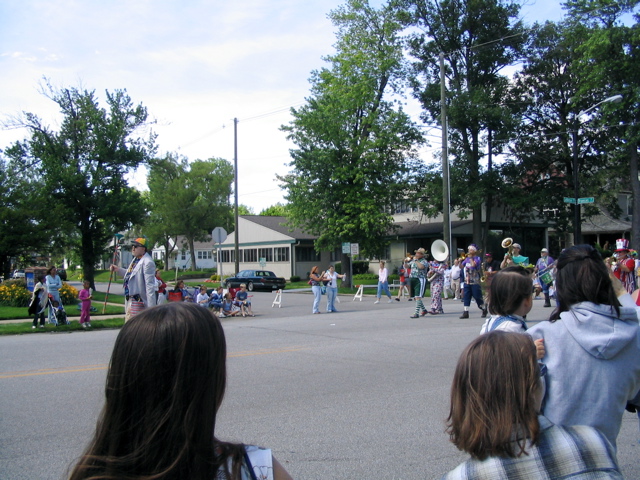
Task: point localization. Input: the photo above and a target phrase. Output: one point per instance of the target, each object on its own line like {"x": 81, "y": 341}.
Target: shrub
{"x": 294, "y": 278}
{"x": 68, "y": 294}
{"x": 365, "y": 276}
{"x": 215, "y": 278}
{"x": 14, "y": 295}
{"x": 16, "y": 281}
{"x": 358, "y": 267}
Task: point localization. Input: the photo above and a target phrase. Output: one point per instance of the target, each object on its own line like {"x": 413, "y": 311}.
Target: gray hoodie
{"x": 593, "y": 365}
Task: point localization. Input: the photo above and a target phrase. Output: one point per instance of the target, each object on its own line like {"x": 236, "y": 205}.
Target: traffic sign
{"x": 219, "y": 235}
{"x": 355, "y": 249}
{"x": 346, "y": 248}
{"x": 586, "y": 200}
{"x": 569, "y": 200}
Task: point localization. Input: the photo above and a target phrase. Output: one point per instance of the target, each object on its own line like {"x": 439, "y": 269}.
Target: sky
{"x": 196, "y": 65}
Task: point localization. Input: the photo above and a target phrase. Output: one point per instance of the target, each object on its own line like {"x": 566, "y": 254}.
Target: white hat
{"x": 544, "y": 250}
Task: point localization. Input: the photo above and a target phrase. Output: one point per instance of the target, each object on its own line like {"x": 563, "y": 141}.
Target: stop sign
{"x": 219, "y": 235}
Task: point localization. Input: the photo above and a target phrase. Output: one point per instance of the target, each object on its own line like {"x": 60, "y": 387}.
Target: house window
{"x": 204, "y": 254}
{"x": 228, "y": 256}
{"x": 266, "y": 253}
{"x": 307, "y": 254}
{"x": 250, "y": 254}
{"x": 281, "y": 254}
{"x": 184, "y": 255}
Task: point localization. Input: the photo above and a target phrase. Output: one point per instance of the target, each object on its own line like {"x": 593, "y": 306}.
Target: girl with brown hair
{"x": 165, "y": 384}
{"x": 495, "y": 399}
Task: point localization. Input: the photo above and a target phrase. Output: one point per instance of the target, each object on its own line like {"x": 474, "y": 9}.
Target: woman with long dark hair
{"x": 165, "y": 384}
{"x": 592, "y": 345}
{"x": 495, "y": 399}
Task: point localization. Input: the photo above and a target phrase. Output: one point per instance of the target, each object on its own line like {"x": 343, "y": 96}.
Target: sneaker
{"x": 84, "y": 325}
{"x": 415, "y": 316}
{"x": 465, "y": 314}
{"x": 397, "y": 299}
{"x": 409, "y": 299}
{"x": 41, "y": 326}
{"x": 377, "y": 301}
{"x": 88, "y": 324}
{"x": 424, "y": 312}
{"x": 390, "y": 301}
{"x": 33, "y": 326}
{"x": 484, "y": 312}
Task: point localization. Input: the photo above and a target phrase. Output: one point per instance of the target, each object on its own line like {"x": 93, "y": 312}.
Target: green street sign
{"x": 346, "y": 247}
{"x": 569, "y": 200}
{"x": 586, "y": 200}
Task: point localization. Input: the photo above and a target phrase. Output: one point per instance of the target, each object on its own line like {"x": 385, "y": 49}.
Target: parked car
{"x": 18, "y": 273}
{"x": 256, "y": 280}
{"x": 62, "y": 273}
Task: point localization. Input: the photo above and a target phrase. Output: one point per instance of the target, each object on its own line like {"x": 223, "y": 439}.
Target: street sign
{"x": 263, "y": 262}
{"x": 219, "y": 235}
{"x": 346, "y": 248}
{"x": 355, "y": 249}
{"x": 569, "y": 200}
{"x": 586, "y": 200}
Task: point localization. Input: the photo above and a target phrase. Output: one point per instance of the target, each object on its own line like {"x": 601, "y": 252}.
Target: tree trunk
{"x": 345, "y": 261}
{"x": 88, "y": 255}
{"x": 635, "y": 190}
{"x": 193, "y": 254}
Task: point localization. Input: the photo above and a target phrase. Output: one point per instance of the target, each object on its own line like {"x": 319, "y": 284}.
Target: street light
{"x": 577, "y": 233}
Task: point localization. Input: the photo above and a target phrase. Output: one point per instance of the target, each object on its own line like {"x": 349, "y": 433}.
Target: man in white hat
{"x": 544, "y": 265}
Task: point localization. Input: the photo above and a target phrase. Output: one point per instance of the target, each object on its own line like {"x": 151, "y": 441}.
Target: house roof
{"x": 604, "y": 224}
{"x": 416, "y": 229}
{"x": 278, "y": 224}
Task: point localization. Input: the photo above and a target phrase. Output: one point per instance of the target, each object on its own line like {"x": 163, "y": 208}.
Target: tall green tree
{"x": 83, "y": 164}
{"x": 356, "y": 149}
{"x": 189, "y": 199}
{"x": 539, "y": 171}
{"x": 278, "y": 210}
{"x": 478, "y": 39}
{"x": 609, "y": 62}
{"x": 28, "y": 222}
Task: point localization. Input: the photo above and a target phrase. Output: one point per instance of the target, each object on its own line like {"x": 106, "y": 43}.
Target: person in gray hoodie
{"x": 592, "y": 346}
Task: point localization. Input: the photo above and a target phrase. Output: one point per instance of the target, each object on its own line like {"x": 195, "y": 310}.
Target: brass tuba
{"x": 508, "y": 244}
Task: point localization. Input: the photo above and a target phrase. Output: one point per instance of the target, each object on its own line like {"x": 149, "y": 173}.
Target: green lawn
{"x": 7, "y": 313}
{"x": 21, "y": 328}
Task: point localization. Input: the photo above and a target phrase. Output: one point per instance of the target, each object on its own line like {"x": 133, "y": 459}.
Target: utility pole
{"x": 446, "y": 196}
{"x": 235, "y": 189}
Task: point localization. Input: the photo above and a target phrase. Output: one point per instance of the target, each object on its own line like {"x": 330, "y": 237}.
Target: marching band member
{"x": 544, "y": 263}
{"x": 515, "y": 259}
{"x": 436, "y": 275}
{"x": 418, "y": 280}
{"x": 471, "y": 266}
{"x": 624, "y": 267}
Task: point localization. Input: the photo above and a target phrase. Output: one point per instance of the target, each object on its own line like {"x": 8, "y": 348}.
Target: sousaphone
{"x": 439, "y": 251}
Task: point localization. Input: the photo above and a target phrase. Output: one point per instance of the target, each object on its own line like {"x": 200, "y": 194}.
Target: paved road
{"x": 358, "y": 394}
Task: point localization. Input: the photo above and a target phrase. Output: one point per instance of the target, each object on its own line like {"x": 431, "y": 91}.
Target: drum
{"x": 547, "y": 278}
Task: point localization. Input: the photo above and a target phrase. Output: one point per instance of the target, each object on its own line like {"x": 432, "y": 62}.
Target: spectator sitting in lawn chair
{"x": 242, "y": 300}
{"x": 179, "y": 293}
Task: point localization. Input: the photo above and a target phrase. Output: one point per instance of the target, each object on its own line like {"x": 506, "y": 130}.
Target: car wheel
{"x": 250, "y": 286}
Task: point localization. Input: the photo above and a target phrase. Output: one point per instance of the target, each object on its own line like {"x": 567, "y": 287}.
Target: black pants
{"x": 35, "y": 319}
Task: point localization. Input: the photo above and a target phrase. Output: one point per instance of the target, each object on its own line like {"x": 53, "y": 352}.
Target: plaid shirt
{"x": 579, "y": 453}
